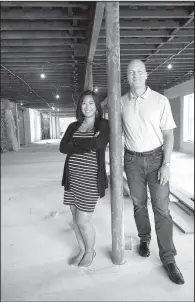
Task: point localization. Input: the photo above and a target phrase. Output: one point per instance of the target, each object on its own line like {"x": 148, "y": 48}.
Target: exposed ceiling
{"x": 44, "y": 37}
{"x": 58, "y": 38}
{"x": 158, "y": 33}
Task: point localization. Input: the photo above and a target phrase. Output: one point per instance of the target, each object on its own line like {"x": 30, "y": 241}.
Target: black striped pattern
{"x": 83, "y": 178}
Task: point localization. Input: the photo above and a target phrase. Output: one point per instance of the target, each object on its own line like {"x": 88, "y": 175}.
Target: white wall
{"x": 27, "y": 131}
{"x": 176, "y": 95}
{"x": 54, "y": 126}
{"x": 65, "y": 122}
{"x": 35, "y": 125}
{"x": 180, "y": 90}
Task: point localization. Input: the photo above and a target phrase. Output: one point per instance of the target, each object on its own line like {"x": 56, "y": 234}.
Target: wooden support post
{"x": 98, "y": 16}
{"x": 89, "y": 77}
{"x": 114, "y": 95}
{"x": 17, "y": 126}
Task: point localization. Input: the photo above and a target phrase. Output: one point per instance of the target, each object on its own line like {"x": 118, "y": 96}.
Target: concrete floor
{"x": 37, "y": 240}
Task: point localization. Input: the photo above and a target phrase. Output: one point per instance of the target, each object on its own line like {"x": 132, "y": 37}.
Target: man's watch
{"x": 166, "y": 164}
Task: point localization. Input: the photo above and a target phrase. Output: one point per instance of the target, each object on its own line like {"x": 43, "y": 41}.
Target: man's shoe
{"x": 144, "y": 249}
{"x": 174, "y": 273}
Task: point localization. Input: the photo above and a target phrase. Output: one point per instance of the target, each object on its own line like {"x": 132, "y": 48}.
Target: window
{"x": 188, "y": 118}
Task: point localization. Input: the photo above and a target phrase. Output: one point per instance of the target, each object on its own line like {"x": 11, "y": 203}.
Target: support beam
{"x": 45, "y": 42}
{"x": 43, "y": 4}
{"x": 99, "y": 12}
{"x": 49, "y": 55}
{"x": 38, "y": 25}
{"x": 150, "y": 33}
{"x": 147, "y": 40}
{"x": 155, "y": 3}
{"x": 37, "y": 60}
{"x": 39, "y": 14}
{"x": 65, "y": 48}
{"x": 114, "y": 95}
{"x": 163, "y": 12}
{"x": 148, "y": 24}
{"x": 44, "y": 34}
{"x": 17, "y": 126}
{"x": 88, "y": 77}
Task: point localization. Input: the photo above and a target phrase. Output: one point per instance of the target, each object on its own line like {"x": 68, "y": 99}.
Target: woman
{"x": 84, "y": 178}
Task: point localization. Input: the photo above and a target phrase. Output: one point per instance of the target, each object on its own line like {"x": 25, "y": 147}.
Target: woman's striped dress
{"x": 83, "y": 178}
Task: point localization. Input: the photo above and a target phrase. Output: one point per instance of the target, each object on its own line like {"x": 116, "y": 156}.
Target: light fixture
{"x": 57, "y": 96}
{"x": 42, "y": 76}
{"x": 53, "y": 108}
{"x": 21, "y": 104}
{"x": 169, "y": 66}
{"x": 58, "y": 109}
{"x": 96, "y": 89}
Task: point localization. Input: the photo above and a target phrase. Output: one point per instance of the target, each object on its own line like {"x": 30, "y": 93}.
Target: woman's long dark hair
{"x": 79, "y": 114}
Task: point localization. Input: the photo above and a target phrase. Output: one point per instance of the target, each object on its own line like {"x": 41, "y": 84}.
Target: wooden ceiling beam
{"x": 74, "y": 41}
{"x": 43, "y": 42}
{"x": 149, "y": 40}
{"x": 31, "y": 49}
{"x": 143, "y": 57}
{"x": 36, "y": 76}
{"x": 55, "y": 60}
{"x": 49, "y": 73}
{"x": 38, "y": 25}
{"x": 33, "y": 66}
{"x": 46, "y": 34}
{"x": 155, "y": 3}
{"x": 61, "y": 55}
{"x": 18, "y": 13}
{"x": 101, "y": 68}
{"x": 141, "y": 13}
{"x": 38, "y": 87}
{"x": 43, "y": 4}
{"x": 126, "y": 47}
{"x": 148, "y": 24}
{"x": 142, "y": 51}
{"x": 173, "y": 34}
{"x": 150, "y": 33}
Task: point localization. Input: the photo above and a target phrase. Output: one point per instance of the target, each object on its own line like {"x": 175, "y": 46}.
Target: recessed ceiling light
{"x": 169, "y": 66}
{"x": 42, "y": 76}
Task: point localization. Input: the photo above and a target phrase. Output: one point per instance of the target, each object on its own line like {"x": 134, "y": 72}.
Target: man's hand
{"x": 163, "y": 174}
{"x": 97, "y": 133}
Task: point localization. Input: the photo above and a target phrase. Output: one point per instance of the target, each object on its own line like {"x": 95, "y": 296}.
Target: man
{"x": 148, "y": 137}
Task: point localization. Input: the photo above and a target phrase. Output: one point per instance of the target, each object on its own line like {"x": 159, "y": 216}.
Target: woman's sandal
{"x": 84, "y": 263}
{"x": 75, "y": 260}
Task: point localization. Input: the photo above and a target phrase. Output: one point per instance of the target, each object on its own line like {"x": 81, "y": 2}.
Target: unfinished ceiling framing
{"x": 55, "y": 38}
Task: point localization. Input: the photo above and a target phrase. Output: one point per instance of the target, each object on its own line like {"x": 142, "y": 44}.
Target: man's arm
{"x": 168, "y": 145}
{"x": 164, "y": 171}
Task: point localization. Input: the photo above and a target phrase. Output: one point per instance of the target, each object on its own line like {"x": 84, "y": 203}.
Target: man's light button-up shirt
{"x": 143, "y": 120}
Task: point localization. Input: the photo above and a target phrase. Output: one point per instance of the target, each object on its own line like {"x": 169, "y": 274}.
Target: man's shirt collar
{"x": 144, "y": 95}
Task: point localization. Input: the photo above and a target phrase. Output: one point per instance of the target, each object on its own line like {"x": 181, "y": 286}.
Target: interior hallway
{"x": 37, "y": 241}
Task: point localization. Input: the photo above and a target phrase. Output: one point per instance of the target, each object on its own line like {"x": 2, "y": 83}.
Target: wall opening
{"x": 188, "y": 118}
